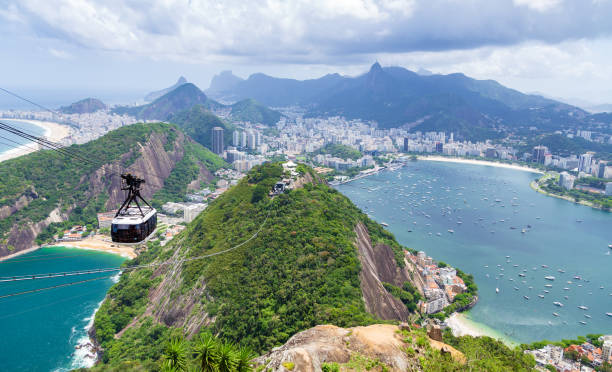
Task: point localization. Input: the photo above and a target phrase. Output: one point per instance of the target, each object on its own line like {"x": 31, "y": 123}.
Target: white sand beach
{"x": 461, "y": 325}
{"x": 100, "y": 243}
{"x": 53, "y": 132}
{"x": 479, "y": 162}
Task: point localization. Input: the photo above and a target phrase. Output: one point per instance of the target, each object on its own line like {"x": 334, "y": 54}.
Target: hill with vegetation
{"x": 186, "y": 96}
{"x": 84, "y": 106}
{"x": 250, "y": 110}
{"x": 43, "y": 192}
{"x": 158, "y": 93}
{"x": 396, "y": 97}
{"x": 198, "y": 123}
{"x": 339, "y": 151}
{"x": 301, "y": 269}
{"x": 182, "y": 98}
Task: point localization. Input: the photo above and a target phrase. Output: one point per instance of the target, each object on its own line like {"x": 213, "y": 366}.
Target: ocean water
{"x": 488, "y": 208}
{"x": 8, "y": 141}
{"x": 41, "y": 330}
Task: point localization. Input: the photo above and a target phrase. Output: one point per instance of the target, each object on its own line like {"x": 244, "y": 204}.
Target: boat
{"x": 521, "y": 275}
{"x": 541, "y": 296}
{"x": 582, "y": 322}
{"x": 609, "y": 314}
{"x": 561, "y": 271}
{"x": 384, "y": 224}
{"x": 549, "y": 277}
{"x": 545, "y": 266}
{"x": 582, "y": 307}
{"x": 587, "y": 316}
{"x": 451, "y": 231}
{"x": 496, "y": 290}
{"x": 555, "y": 314}
{"x": 525, "y": 297}
{"x": 566, "y": 289}
{"x": 516, "y": 288}
{"x": 545, "y": 291}
{"x": 577, "y": 277}
{"x": 610, "y": 246}
{"x": 557, "y": 303}
{"x": 523, "y": 231}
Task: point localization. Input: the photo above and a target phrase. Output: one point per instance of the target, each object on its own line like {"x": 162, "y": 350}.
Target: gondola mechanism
{"x": 133, "y": 223}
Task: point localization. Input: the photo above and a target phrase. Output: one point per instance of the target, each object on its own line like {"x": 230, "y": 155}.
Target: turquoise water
{"x": 40, "y": 330}
{"x": 10, "y": 141}
{"x": 429, "y": 198}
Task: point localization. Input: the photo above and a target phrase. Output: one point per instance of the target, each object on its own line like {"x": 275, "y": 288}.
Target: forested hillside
{"x": 39, "y": 192}
{"x": 302, "y": 269}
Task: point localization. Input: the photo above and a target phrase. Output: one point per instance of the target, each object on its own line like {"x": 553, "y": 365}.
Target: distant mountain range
{"x": 397, "y": 97}
{"x": 155, "y": 95}
{"x": 186, "y": 96}
{"x": 84, "y": 106}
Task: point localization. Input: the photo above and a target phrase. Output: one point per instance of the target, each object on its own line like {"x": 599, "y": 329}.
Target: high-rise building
{"x": 566, "y": 180}
{"x": 236, "y": 139}
{"x": 584, "y": 162}
{"x": 405, "y": 144}
{"x": 439, "y": 147}
{"x": 606, "y": 350}
{"x": 609, "y": 189}
{"x": 251, "y": 139}
{"x": 601, "y": 169}
{"x": 217, "y": 140}
{"x": 538, "y": 154}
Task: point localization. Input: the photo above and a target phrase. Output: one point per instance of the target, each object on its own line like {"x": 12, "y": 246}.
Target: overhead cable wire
{"x": 54, "y": 287}
{"x": 128, "y": 268}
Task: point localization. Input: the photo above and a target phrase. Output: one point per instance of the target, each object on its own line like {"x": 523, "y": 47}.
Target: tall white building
{"x": 584, "y": 163}
{"x": 609, "y": 189}
{"x": 566, "y": 180}
{"x": 236, "y": 139}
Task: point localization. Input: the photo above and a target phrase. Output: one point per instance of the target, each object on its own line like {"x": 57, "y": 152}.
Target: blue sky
{"x": 119, "y": 50}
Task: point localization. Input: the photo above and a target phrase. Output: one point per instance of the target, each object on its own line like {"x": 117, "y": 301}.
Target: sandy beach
{"x": 53, "y": 132}
{"x": 100, "y": 243}
{"x": 461, "y": 325}
{"x": 479, "y": 162}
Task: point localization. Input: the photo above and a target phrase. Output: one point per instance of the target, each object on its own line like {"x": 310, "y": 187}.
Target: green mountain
{"x": 306, "y": 260}
{"x": 250, "y": 110}
{"x": 182, "y": 98}
{"x": 43, "y": 192}
{"x": 155, "y": 95}
{"x": 198, "y": 122}
{"x": 396, "y": 97}
{"x": 84, "y": 106}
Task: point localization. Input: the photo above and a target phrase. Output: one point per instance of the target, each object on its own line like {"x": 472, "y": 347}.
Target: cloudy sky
{"x": 120, "y": 49}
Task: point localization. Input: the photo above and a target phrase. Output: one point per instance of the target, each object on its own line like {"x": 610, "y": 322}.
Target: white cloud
{"x": 60, "y": 53}
{"x": 539, "y": 5}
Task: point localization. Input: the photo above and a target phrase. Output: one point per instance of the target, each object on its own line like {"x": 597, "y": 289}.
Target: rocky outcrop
{"x": 22, "y": 236}
{"x": 22, "y": 202}
{"x": 377, "y": 266}
{"x": 379, "y": 344}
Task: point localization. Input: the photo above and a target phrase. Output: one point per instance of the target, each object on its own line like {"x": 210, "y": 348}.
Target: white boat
{"x": 525, "y": 297}
{"x": 582, "y": 322}
{"x": 541, "y": 296}
{"x": 587, "y": 316}
{"x": 384, "y": 224}
{"x": 548, "y": 285}
{"x": 451, "y": 231}
{"x": 557, "y": 303}
{"x": 496, "y": 290}
{"x": 609, "y": 314}
{"x": 582, "y": 307}
{"x": 550, "y": 277}
{"x": 555, "y": 314}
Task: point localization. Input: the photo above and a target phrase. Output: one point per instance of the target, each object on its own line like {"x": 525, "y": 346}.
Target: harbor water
{"x": 487, "y": 221}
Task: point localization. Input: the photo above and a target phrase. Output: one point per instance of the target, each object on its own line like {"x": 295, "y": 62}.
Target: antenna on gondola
{"x": 132, "y": 186}
{"x": 132, "y": 225}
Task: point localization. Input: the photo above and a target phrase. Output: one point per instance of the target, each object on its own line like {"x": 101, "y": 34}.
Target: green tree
{"x": 175, "y": 355}
{"x": 244, "y": 356}
{"x": 207, "y": 355}
{"x": 227, "y": 357}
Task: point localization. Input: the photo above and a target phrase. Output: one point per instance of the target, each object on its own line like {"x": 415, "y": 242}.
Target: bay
{"x": 41, "y": 330}
{"x": 493, "y": 213}
{"x": 8, "y": 141}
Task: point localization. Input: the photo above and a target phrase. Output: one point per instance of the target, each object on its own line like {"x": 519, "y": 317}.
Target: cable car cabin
{"x": 132, "y": 224}
{"x": 132, "y": 227}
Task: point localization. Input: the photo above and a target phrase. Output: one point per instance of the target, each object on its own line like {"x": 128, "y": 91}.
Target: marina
{"x": 428, "y": 197}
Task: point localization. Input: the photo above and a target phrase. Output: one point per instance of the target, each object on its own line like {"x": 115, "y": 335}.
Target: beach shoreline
{"x": 479, "y": 162}
{"x": 461, "y": 325}
{"x": 54, "y": 132}
{"x": 95, "y": 243}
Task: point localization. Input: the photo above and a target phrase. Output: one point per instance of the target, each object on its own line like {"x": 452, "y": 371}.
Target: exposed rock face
{"x": 378, "y": 265}
{"x": 308, "y": 350}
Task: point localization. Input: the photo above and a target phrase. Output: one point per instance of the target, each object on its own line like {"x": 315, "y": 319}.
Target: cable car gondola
{"x": 133, "y": 224}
